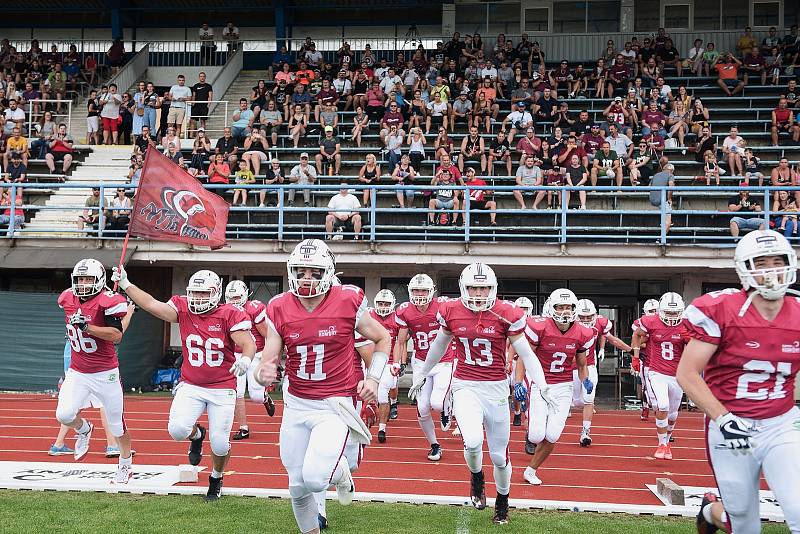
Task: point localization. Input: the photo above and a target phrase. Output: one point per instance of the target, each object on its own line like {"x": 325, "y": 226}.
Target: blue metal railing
{"x": 561, "y": 224}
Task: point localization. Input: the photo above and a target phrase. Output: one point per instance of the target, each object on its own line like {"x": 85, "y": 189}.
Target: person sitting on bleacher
{"x": 606, "y": 162}
{"x": 16, "y": 171}
{"x": 282, "y": 96}
{"x": 472, "y": 149}
{"x": 144, "y": 141}
{"x": 791, "y": 46}
{"x": 462, "y": 109}
{"x": 753, "y": 63}
{"x": 327, "y": 96}
{"x": 518, "y": 120}
{"x": 746, "y": 42}
{"x": 330, "y": 152}
{"x": 545, "y": 107}
{"x": 91, "y": 212}
{"x": 119, "y": 216}
{"x": 784, "y": 175}
{"x": 669, "y": 55}
{"x": 733, "y": 149}
{"x": 742, "y": 203}
{"x": 243, "y": 120}
{"x": 60, "y": 150}
{"x": 14, "y": 117}
{"x": 17, "y": 145}
{"x": 783, "y": 120}
{"x": 728, "y": 68}
{"x": 343, "y": 214}
{"x": 438, "y": 112}
{"x": 620, "y": 143}
{"x": 444, "y": 198}
{"x": 6, "y": 218}
{"x": 480, "y": 199}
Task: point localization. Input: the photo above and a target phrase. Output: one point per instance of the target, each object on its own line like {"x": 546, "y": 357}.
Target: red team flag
{"x": 171, "y": 205}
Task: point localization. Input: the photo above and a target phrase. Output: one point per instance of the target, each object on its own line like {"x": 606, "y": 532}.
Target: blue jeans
{"x": 149, "y": 119}
{"x": 788, "y": 223}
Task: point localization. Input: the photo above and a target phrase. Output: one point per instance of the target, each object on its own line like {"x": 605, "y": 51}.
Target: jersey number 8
{"x": 207, "y": 351}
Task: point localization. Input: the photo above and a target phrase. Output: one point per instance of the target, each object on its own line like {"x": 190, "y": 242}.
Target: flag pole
{"x": 122, "y": 256}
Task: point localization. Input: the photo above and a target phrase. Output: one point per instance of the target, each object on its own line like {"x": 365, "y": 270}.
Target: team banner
{"x": 172, "y": 205}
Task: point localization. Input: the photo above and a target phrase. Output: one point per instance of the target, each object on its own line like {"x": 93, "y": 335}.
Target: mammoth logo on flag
{"x": 171, "y": 205}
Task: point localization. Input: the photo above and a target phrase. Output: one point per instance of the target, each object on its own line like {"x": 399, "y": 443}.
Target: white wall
{"x": 168, "y": 75}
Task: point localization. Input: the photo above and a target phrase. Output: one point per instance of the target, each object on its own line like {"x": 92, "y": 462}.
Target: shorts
{"x": 347, "y": 224}
{"x": 59, "y": 156}
{"x": 751, "y": 223}
{"x": 731, "y": 83}
{"x": 437, "y": 120}
{"x": 199, "y": 111}
{"x": 261, "y": 155}
{"x": 478, "y": 205}
{"x": 175, "y": 115}
{"x": 80, "y": 390}
{"x": 443, "y": 204}
{"x": 93, "y": 124}
{"x": 110, "y": 125}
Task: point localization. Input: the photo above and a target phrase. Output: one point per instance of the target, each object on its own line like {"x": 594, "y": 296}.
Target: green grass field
{"x": 46, "y": 512}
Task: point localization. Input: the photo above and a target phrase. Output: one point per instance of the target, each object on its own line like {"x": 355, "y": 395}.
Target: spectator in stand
{"x": 393, "y": 146}
{"x": 480, "y": 199}
{"x": 404, "y": 175}
{"x": 369, "y": 174}
{"x": 576, "y": 176}
{"x": 16, "y": 145}
{"x": 705, "y": 143}
{"x": 270, "y": 120}
{"x": 518, "y": 120}
{"x": 243, "y": 176}
{"x": 443, "y": 144}
{"x": 175, "y": 155}
{"x": 125, "y": 128}
{"x": 618, "y": 75}
{"x": 773, "y": 64}
{"x": 694, "y": 59}
{"x": 616, "y": 113}
{"x": 472, "y": 149}
{"x": 135, "y": 170}
{"x": 60, "y": 150}
{"x": 710, "y": 58}
{"x": 746, "y": 42}
{"x": 664, "y": 178}
{"x": 116, "y": 56}
{"x": 620, "y": 143}
{"x": 312, "y": 56}
{"x": 444, "y": 198}
{"x": 791, "y": 95}
{"x": 728, "y": 68}
{"x": 783, "y": 120}
{"x": 343, "y": 214}
{"x": 599, "y": 75}
{"x": 329, "y": 116}
{"x": 698, "y": 116}
{"x": 93, "y": 118}
{"x": 753, "y": 63}
{"x": 522, "y": 94}
{"x": 202, "y": 95}
{"x": 751, "y": 167}
{"x": 45, "y": 132}
{"x": 529, "y": 145}
{"x": 16, "y": 171}
{"x": 330, "y": 152}
{"x": 219, "y": 172}
{"x": 89, "y": 70}
{"x": 563, "y": 117}
{"x": 15, "y": 117}
{"x": 297, "y": 125}
{"x": 179, "y": 94}
{"x": 462, "y": 109}
{"x": 416, "y": 146}
{"x": 791, "y": 46}
{"x": 499, "y": 151}
{"x": 607, "y": 163}
{"x": 528, "y": 175}
{"x": 119, "y": 214}
{"x": 677, "y": 122}
{"x": 230, "y": 34}
{"x": 280, "y": 61}
{"x": 592, "y": 141}
{"x": 546, "y": 107}
{"x": 733, "y": 149}
{"x": 783, "y": 175}
{"x": 786, "y": 222}
{"x": 326, "y": 96}
{"x": 207, "y": 46}
{"x": 344, "y": 89}
{"x": 437, "y": 113}
{"x": 226, "y": 147}
{"x": 256, "y": 148}
{"x": 375, "y": 102}
{"x": 392, "y": 117}
{"x": 304, "y": 174}
{"x": 360, "y": 124}
{"x": 274, "y": 175}
{"x": 770, "y": 41}
{"x": 669, "y": 55}
{"x": 93, "y": 205}
{"x": 7, "y": 218}
{"x": 139, "y": 109}
{"x": 743, "y": 204}
{"x": 301, "y": 97}
{"x": 572, "y": 148}
{"x": 580, "y": 82}
{"x": 243, "y": 120}
{"x": 165, "y": 104}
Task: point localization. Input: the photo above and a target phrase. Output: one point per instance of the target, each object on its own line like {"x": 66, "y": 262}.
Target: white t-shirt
{"x": 695, "y": 52}
{"x": 206, "y": 35}
{"x": 387, "y": 84}
{"x": 490, "y": 72}
{"x": 522, "y": 117}
{"x": 178, "y": 91}
{"x": 313, "y": 58}
{"x": 620, "y": 144}
{"x": 732, "y": 144}
{"x": 437, "y": 110}
{"x": 13, "y": 116}
{"x": 301, "y": 176}
{"x": 344, "y": 204}
{"x": 110, "y": 103}
{"x": 342, "y": 86}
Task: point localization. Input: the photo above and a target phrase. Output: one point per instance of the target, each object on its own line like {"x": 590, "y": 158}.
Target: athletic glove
{"x": 369, "y": 414}
{"x": 402, "y": 370}
{"x": 601, "y": 355}
{"x": 395, "y": 369}
{"x": 415, "y": 388}
{"x": 552, "y": 405}
{"x": 79, "y": 320}
{"x": 269, "y": 405}
{"x": 120, "y": 277}
{"x": 240, "y": 366}
{"x": 735, "y": 433}
{"x": 588, "y": 385}
{"x": 520, "y": 392}
{"x": 636, "y": 366}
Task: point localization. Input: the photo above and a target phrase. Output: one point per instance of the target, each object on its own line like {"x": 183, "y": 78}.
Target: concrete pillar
{"x": 448, "y": 19}
{"x": 626, "y": 16}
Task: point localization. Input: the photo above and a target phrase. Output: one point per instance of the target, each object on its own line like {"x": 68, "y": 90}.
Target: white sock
{"x": 587, "y": 425}
{"x": 215, "y": 473}
{"x": 707, "y": 514}
{"x": 381, "y": 426}
{"x": 502, "y": 478}
{"x": 474, "y": 459}
{"x": 84, "y": 427}
{"x": 426, "y": 423}
{"x": 319, "y": 497}
{"x": 663, "y": 439}
{"x": 305, "y": 512}
{"x": 126, "y": 461}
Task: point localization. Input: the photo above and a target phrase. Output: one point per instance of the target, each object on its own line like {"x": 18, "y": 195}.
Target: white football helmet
{"x": 650, "y": 307}
{"x": 670, "y": 308}
{"x": 236, "y": 292}
{"x": 587, "y": 313}
{"x": 203, "y": 292}
{"x": 424, "y": 282}
{"x": 775, "y": 281}
{"x": 88, "y": 268}
{"x": 310, "y": 254}
{"x": 561, "y": 297}
{"x": 546, "y": 308}
{"x": 384, "y": 302}
{"x": 478, "y": 275}
{"x": 526, "y": 305}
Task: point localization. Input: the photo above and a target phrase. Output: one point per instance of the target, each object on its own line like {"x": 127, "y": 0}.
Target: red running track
{"x": 614, "y": 469}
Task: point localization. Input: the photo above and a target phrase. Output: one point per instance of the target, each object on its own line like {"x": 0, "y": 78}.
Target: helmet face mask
{"x": 203, "y": 292}
{"x": 670, "y": 309}
{"x": 421, "y": 290}
{"x": 310, "y": 269}
{"x": 478, "y": 285}
{"x": 88, "y": 278}
{"x": 236, "y": 293}
{"x": 562, "y": 306}
{"x": 384, "y": 302}
{"x": 766, "y": 263}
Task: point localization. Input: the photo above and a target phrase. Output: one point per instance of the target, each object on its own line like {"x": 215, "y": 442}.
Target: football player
{"x": 383, "y": 312}
{"x": 666, "y": 336}
{"x": 209, "y": 333}
{"x": 740, "y": 369}
{"x": 511, "y": 361}
{"x": 94, "y": 320}
{"x": 236, "y": 293}
{"x": 418, "y": 319}
{"x": 560, "y": 343}
{"x": 601, "y": 326}
{"x": 482, "y": 326}
{"x": 316, "y": 322}
{"x": 639, "y": 360}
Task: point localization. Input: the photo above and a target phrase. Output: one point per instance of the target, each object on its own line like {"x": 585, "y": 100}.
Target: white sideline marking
{"x": 693, "y": 495}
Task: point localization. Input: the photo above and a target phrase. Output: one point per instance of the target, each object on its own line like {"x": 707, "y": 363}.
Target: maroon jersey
{"x": 390, "y": 325}
{"x": 254, "y": 309}
{"x": 422, "y": 326}
{"x": 208, "y": 350}
{"x": 602, "y": 327}
{"x": 481, "y": 338}
{"x": 754, "y": 368}
{"x": 665, "y": 344}
{"x": 644, "y": 353}
{"x": 555, "y": 349}
{"x": 91, "y": 354}
{"x": 320, "y": 344}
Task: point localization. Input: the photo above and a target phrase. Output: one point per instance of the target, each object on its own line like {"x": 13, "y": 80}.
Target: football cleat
{"x": 269, "y": 405}
{"x": 500, "y": 510}
{"x": 530, "y": 447}
{"x": 435, "y": 453}
{"x": 645, "y": 414}
{"x": 661, "y": 452}
{"x": 323, "y": 521}
{"x": 381, "y": 436}
{"x": 123, "y": 475}
{"x": 671, "y": 438}
{"x": 530, "y": 476}
{"x": 393, "y": 411}
{"x": 345, "y": 488}
{"x": 60, "y": 451}
{"x": 477, "y": 490}
{"x": 82, "y": 444}
{"x": 445, "y": 421}
{"x": 703, "y": 526}
{"x": 196, "y": 448}
{"x": 243, "y": 433}
{"x": 517, "y": 419}
{"x": 214, "y": 489}
{"x": 112, "y": 452}
{"x": 667, "y": 453}
{"x": 586, "y": 438}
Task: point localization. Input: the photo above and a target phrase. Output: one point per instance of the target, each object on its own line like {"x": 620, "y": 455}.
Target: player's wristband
{"x": 378, "y": 365}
